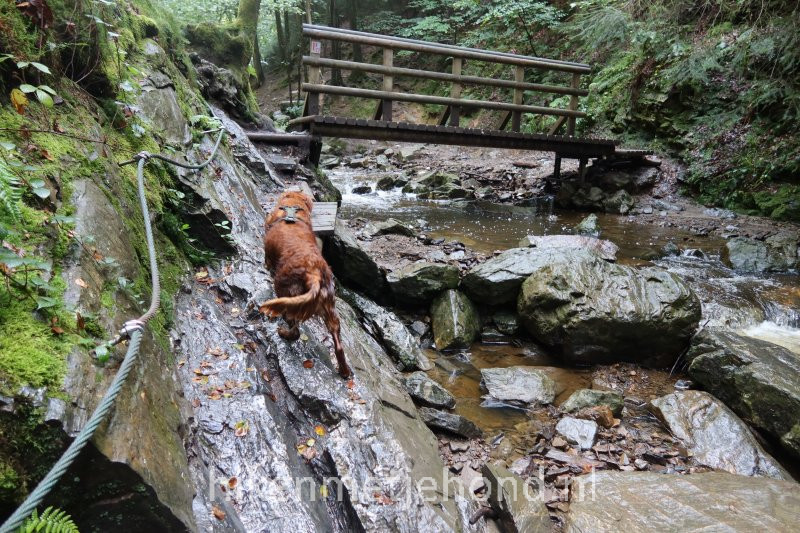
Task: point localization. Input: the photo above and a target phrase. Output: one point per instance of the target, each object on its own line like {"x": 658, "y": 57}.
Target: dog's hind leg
{"x": 332, "y": 323}
{"x": 292, "y": 333}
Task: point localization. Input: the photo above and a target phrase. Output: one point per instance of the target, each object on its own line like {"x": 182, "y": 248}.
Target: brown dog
{"x": 303, "y": 280}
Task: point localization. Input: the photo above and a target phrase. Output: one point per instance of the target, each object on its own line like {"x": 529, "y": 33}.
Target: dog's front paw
{"x": 290, "y": 334}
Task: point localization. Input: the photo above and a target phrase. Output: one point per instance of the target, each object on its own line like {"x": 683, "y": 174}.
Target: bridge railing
{"x": 454, "y": 103}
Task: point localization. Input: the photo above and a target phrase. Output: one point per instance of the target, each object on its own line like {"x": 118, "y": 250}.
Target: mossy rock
{"x": 455, "y": 321}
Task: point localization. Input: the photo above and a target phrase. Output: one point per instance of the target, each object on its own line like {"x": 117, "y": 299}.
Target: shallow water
{"x": 759, "y": 306}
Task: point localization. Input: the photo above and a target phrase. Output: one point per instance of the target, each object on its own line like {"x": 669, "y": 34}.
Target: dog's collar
{"x": 291, "y": 214}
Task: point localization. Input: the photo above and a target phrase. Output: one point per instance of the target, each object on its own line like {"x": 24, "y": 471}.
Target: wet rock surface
{"x": 498, "y": 280}
{"x": 518, "y": 384}
{"x": 352, "y": 264}
{"x": 758, "y": 380}
{"x": 640, "y": 501}
{"x": 605, "y": 249}
{"x": 776, "y": 253}
{"x": 449, "y": 422}
{"x": 419, "y": 283}
{"x": 518, "y": 508}
{"x": 715, "y": 435}
{"x": 428, "y": 392}
{"x": 590, "y": 397}
{"x": 594, "y": 311}
{"x": 455, "y": 320}
{"x": 275, "y": 417}
{"x": 387, "y": 327}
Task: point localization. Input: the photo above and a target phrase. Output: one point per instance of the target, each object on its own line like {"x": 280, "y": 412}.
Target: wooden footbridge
{"x": 560, "y": 138}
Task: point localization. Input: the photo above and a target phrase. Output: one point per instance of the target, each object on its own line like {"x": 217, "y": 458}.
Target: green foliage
{"x": 52, "y": 520}
{"x": 10, "y": 192}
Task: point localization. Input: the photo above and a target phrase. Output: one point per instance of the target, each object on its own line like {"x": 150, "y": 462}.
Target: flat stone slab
{"x": 633, "y": 502}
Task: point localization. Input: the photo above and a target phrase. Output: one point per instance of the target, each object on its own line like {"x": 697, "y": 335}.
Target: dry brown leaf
{"x": 19, "y": 101}
{"x": 218, "y": 513}
{"x": 79, "y": 321}
{"x": 308, "y": 363}
{"x": 319, "y": 430}
{"x": 232, "y": 482}
{"x": 57, "y": 330}
{"x": 80, "y": 283}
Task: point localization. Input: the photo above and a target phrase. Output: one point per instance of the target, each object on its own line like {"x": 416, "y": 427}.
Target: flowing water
{"x": 759, "y": 306}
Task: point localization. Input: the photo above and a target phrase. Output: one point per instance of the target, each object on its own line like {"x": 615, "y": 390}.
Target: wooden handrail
{"x": 443, "y": 76}
{"x": 321, "y": 32}
{"x": 424, "y": 99}
{"x": 443, "y": 45}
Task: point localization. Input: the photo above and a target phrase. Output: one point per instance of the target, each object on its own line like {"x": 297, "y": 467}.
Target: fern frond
{"x": 10, "y": 192}
{"x": 52, "y": 520}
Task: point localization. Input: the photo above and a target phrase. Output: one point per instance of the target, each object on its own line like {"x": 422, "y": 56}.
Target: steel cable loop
{"x": 132, "y": 329}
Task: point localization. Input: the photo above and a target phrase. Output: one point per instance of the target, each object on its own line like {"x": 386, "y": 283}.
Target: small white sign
{"x": 316, "y": 47}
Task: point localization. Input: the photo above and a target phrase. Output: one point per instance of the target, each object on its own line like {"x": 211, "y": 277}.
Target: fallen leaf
{"x": 273, "y": 397}
{"x": 309, "y": 454}
{"x": 80, "y": 283}
{"x": 196, "y": 403}
{"x": 383, "y": 499}
{"x": 181, "y": 363}
{"x": 216, "y": 352}
{"x": 265, "y": 375}
{"x": 57, "y": 330}
{"x": 350, "y": 383}
{"x": 97, "y": 256}
{"x": 241, "y": 428}
{"x": 203, "y": 274}
{"x": 323, "y": 491}
{"x": 79, "y": 321}
{"x": 310, "y": 442}
{"x": 219, "y": 514}
{"x": 301, "y": 448}
{"x": 232, "y": 482}
{"x": 46, "y": 154}
{"x": 308, "y": 363}
{"x": 19, "y": 101}
{"x": 319, "y": 430}
{"x": 304, "y": 337}
{"x": 214, "y": 395}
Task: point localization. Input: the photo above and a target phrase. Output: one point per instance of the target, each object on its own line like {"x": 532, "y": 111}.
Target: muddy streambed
{"x": 761, "y": 306}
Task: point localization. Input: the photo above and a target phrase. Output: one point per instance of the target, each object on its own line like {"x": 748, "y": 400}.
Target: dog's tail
{"x": 301, "y": 307}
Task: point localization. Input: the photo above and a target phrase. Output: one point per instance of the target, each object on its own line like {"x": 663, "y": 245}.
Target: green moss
{"x": 10, "y": 482}
{"x": 32, "y": 354}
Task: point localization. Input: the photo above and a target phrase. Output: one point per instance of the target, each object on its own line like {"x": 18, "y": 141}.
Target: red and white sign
{"x": 316, "y": 47}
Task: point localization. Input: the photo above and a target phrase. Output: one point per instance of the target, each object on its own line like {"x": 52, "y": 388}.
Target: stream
{"x": 759, "y": 306}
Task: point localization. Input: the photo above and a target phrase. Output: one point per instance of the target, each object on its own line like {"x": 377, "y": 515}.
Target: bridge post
{"x": 573, "y": 104}
{"x": 388, "y": 84}
{"x": 516, "y": 116}
{"x": 455, "y": 92}
{"x": 312, "y": 99}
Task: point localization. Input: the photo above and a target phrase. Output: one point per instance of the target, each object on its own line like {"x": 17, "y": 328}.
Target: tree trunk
{"x": 358, "y": 56}
{"x": 336, "y": 49}
{"x": 248, "y": 21}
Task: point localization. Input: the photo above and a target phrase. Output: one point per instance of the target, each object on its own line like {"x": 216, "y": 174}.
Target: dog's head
{"x": 293, "y": 204}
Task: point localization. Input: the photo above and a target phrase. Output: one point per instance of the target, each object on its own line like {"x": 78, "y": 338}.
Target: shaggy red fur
{"x": 303, "y": 280}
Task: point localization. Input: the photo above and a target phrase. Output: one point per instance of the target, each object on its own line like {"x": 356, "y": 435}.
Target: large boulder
{"x": 449, "y": 422}
{"x": 591, "y": 397}
{"x": 641, "y": 502}
{"x": 605, "y": 249}
{"x": 620, "y": 202}
{"x": 428, "y": 392}
{"x": 497, "y": 280}
{"x": 523, "y": 385}
{"x": 519, "y": 507}
{"x": 714, "y": 434}
{"x": 387, "y": 327}
{"x": 455, "y": 321}
{"x": 759, "y": 380}
{"x": 352, "y": 264}
{"x": 419, "y": 283}
{"x": 594, "y": 311}
{"x": 777, "y": 253}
